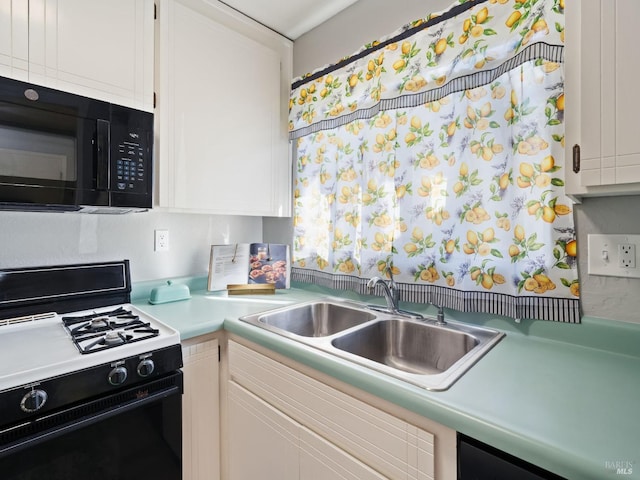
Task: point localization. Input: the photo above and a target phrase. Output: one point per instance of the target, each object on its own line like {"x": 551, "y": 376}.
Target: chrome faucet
{"x": 389, "y": 290}
{"x": 391, "y": 295}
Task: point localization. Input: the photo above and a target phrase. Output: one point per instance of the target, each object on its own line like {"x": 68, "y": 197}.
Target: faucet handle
{"x": 389, "y": 273}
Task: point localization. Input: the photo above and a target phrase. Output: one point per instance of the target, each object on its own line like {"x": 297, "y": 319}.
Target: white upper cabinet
{"x": 96, "y": 48}
{"x": 602, "y": 68}
{"x": 14, "y": 39}
{"x": 222, "y": 136}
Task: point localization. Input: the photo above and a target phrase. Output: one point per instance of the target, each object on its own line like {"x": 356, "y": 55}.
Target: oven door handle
{"x": 85, "y": 421}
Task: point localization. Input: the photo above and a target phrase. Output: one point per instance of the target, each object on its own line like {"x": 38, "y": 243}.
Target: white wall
{"x": 359, "y": 24}
{"x": 367, "y": 20}
{"x": 36, "y": 239}
{"x": 608, "y": 297}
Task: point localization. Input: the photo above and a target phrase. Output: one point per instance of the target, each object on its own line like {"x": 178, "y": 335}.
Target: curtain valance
{"x": 448, "y": 52}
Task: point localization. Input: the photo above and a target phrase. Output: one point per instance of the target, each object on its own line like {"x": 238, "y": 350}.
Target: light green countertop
{"x": 564, "y": 397}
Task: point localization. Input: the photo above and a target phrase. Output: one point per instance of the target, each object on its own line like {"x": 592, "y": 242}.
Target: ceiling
{"x": 290, "y": 18}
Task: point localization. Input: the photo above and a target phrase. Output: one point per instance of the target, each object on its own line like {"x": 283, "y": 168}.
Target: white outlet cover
{"x": 603, "y": 253}
{"x": 161, "y": 240}
{"x": 627, "y": 255}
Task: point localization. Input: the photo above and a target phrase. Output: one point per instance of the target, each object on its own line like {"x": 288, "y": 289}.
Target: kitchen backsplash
{"x": 33, "y": 239}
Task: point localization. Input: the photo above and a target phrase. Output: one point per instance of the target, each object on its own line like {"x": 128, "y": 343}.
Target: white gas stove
{"x": 47, "y": 345}
{"x": 88, "y": 382}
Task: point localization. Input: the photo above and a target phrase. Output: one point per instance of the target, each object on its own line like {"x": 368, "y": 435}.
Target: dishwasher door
{"x": 478, "y": 461}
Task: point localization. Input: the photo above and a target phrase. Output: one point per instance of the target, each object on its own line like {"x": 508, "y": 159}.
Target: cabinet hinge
{"x": 155, "y": 11}
{"x": 576, "y": 158}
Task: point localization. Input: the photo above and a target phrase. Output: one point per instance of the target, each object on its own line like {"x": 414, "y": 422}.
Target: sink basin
{"x": 420, "y": 352}
{"x": 317, "y": 319}
{"x": 408, "y": 346}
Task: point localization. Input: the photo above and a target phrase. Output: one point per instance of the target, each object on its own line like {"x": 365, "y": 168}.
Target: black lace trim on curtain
{"x": 457, "y": 10}
{"x": 563, "y": 310}
{"x": 552, "y": 53}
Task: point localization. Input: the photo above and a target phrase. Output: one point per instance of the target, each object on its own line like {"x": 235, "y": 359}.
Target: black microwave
{"x": 65, "y": 152}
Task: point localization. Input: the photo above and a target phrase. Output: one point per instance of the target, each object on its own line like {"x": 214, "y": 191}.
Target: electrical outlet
{"x": 613, "y": 255}
{"x": 627, "y": 255}
{"x": 161, "y": 240}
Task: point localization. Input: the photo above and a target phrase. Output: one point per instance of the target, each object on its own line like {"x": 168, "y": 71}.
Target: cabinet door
{"x": 14, "y": 39}
{"x": 601, "y": 65}
{"x": 265, "y": 443}
{"x": 627, "y": 101}
{"x": 321, "y": 460}
{"x": 102, "y": 49}
{"x": 222, "y": 112}
{"x": 201, "y": 412}
{"x": 262, "y": 442}
{"x": 360, "y": 433}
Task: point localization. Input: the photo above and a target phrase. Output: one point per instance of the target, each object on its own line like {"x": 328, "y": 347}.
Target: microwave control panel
{"x": 130, "y": 167}
{"x": 131, "y": 159}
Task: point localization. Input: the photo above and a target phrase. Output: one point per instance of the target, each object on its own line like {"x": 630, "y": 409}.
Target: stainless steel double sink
{"x": 416, "y": 351}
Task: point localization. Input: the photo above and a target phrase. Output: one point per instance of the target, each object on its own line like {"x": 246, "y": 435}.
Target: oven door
{"x": 129, "y": 435}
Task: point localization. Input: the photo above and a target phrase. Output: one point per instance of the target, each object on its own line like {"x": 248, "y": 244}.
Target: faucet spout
{"x": 391, "y": 295}
{"x": 390, "y": 292}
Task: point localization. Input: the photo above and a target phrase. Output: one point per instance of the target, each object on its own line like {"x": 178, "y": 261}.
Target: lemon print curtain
{"x": 438, "y": 154}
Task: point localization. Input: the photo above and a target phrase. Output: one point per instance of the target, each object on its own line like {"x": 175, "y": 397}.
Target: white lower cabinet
{"x": 200, "y": 410}
{"x": 322, "y": 460}
{"x": 284, "y": 424}
{"x": 265, "y": 443}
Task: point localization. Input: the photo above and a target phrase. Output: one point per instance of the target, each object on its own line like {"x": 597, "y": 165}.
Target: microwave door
{"x": 42, "y": 156}
{"x": 38, "y": 164}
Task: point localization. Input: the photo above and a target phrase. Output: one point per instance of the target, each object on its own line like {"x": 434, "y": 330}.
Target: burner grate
{"x": 72, "y": 320}
{"x": 102, "y": 330}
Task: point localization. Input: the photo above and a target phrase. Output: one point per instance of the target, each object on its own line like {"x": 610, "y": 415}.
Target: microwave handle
{"x": 102, "y": 154}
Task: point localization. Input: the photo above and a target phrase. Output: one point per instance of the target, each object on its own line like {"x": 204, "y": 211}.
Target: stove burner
{"x": 109, "y": 339}
{"x": 113, "y": 338}
{"x": 103, "y": 324}
{"x": 98, "y": 331}
{"x": 99, "y": 322}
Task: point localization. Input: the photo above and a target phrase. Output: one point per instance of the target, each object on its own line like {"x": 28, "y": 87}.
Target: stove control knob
{"x": 33, "y": 401}
{"x": 146, "y": 367}
{"x": 117, "y": 376}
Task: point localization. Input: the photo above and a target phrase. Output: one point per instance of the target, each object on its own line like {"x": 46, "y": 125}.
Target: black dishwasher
{"x": 479, "y": 461}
